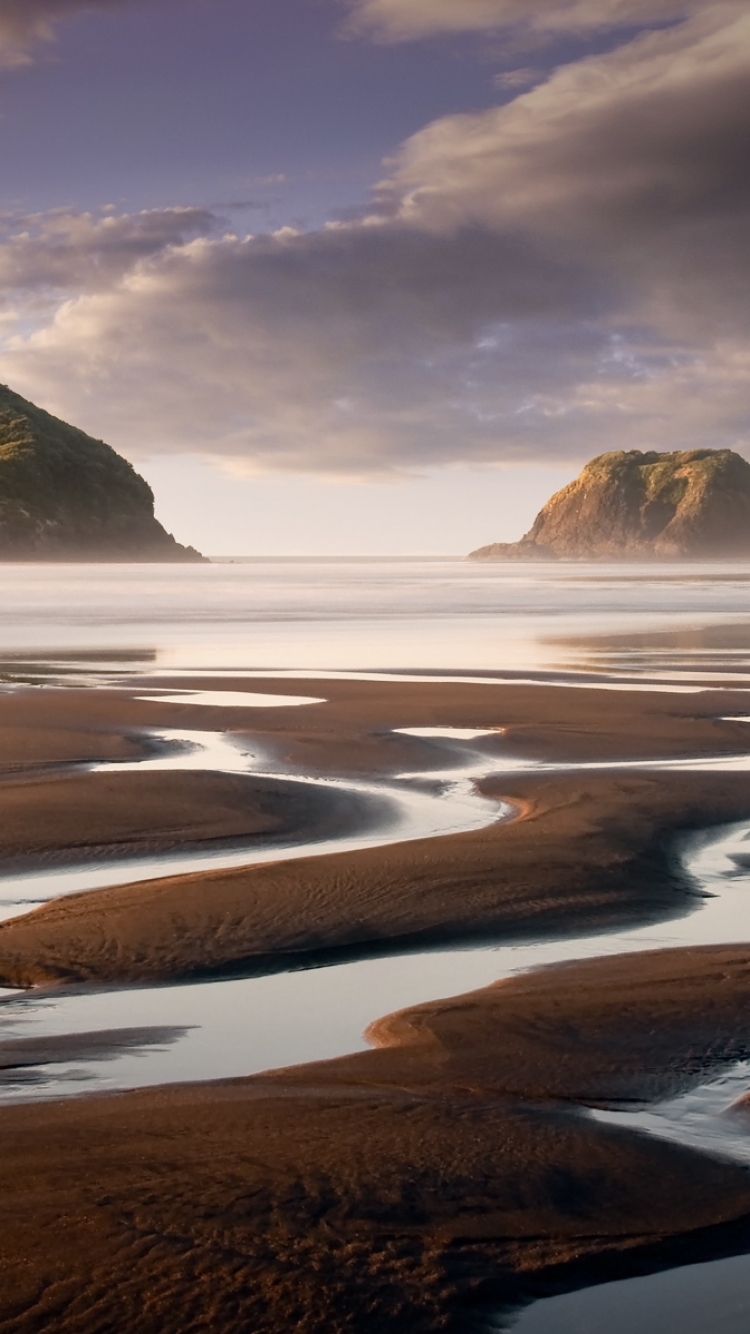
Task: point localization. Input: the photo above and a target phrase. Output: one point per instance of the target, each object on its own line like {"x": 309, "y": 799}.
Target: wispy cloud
{"x": 555, "y": 276}
{"x": 26, "y": 23}
{"x": 404, "y": 20}
{"x": 513, "y": 80}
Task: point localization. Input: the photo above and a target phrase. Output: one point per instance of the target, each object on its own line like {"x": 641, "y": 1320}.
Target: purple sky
{"x": 376, "y": 275}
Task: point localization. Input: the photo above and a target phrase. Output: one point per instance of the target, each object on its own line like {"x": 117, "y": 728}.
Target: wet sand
{"x": 21, "y": 1059}
{"x": 74, "y": 818}
{"x": 393, "y": 1189}
{"x": 351, "y": 731}
{"x": 606, "y": 837}
{"x": 451, "y": 1165}
{"x": 606, "y": 860}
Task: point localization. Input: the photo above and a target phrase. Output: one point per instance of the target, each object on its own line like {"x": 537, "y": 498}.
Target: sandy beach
{"x": 393, "y": 1189}
{"x": 606, "y": 836}
{"x": 452, "y": 1164}
{"x": 74, "y": 818}
{"x": 375, "y": 667}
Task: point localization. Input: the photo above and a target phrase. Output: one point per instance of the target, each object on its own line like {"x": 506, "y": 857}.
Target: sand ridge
{"x": 605, "y": 836}
{"x": 589, "y": 854}
{"x": 450, "y": 1166}
{"x": 76, "y": 817}
{"x": 394, "y": 1189}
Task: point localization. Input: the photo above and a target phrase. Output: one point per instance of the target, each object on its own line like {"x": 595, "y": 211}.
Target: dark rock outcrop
{"x": 65, "y": 496}
{"x": 693, "y": 504}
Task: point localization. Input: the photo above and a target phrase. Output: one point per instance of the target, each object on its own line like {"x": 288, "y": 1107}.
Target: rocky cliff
{"x": 689, "y": 505}
{"x": 65, "y": 496}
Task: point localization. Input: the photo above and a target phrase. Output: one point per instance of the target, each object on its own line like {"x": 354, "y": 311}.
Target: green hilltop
{"x": 66, "y": 496}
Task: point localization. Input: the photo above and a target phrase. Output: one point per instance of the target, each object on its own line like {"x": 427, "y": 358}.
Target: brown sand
{"x": 388, "y": 1190}
{"x": 352, "y": 731}
{"x": 77, "y": 817}
{"x": 605, "y": 837}
{"x": 631, "y": 1027}
{"x": 393, "y": 1189}
{"x": 604, "y": 862}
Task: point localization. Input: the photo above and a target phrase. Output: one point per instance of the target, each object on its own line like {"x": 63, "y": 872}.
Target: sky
{"x": 376, "y": 276}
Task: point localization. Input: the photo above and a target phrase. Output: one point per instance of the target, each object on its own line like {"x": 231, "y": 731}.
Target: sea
{"x": 384, "y": 615}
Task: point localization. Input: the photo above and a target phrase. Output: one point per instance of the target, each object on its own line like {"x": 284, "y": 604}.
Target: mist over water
{"x": 385, "y": 615}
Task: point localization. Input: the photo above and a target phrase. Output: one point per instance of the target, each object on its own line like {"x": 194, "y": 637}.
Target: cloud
{"x": 64, "y": 252}
{"x": 544, "y": 280}
{"x": 630, "y": 164}
{"x": 514, "y": 79}
{"x": 333, "y": 351}
{"x": 25, "y": 23}
{"x": 404, "y": 20}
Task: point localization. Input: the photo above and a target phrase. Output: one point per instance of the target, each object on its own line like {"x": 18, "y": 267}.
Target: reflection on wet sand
{"x": 492, "y": 625}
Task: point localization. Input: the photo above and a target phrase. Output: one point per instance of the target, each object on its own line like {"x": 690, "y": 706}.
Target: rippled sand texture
{"x": 466, "y": 1160}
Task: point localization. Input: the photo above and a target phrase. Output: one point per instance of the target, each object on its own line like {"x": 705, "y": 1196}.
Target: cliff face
{"x": 694, "y": 504}
{"x": 65, "y": 496}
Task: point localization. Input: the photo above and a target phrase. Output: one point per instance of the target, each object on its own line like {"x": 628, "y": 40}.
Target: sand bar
{"x": 605, "y": 837}
{"x": 452, "y": 1164}
{"x": 388, "y": 1189}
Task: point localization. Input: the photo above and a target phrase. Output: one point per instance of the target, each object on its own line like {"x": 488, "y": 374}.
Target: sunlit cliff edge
{"x": 66, "y": 496}
{"x": 693, "y": 504}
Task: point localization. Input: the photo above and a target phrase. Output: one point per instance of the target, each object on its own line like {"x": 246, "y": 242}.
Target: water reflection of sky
{"x": 711, "y": 1298}
{"x": 384, "y": 615}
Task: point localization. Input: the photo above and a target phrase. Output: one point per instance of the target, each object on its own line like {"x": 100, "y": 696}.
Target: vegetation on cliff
{"x": 65, "y": 496}
{"x": 691, "y": 504}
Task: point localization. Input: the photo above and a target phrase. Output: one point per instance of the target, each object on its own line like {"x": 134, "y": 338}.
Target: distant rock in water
{"x": 65, "y": 496}
{"x": 690, "y": 505}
